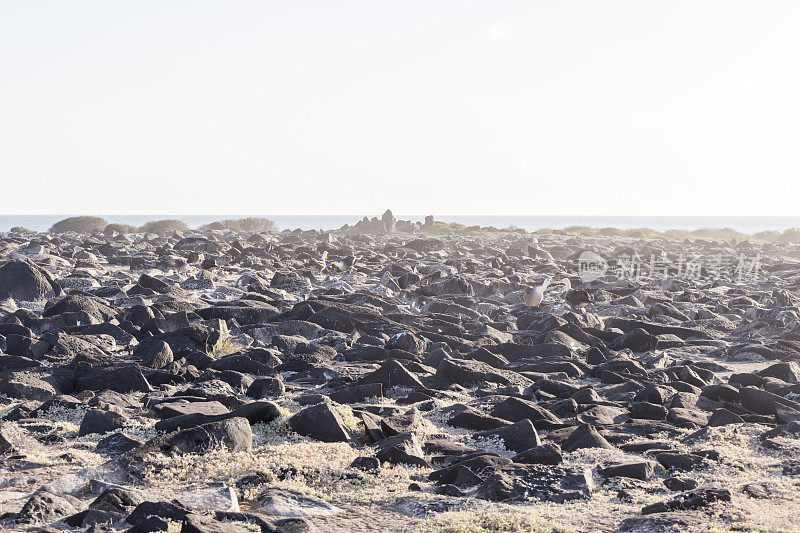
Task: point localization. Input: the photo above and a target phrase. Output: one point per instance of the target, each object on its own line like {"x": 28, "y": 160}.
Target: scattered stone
{"x": 99, "y": 421}
{"x": 266, "y": 388}
{"x": 547, "y": 454}
{"x": 44, "y": 507}
{"x": 696, "y": 499}
{"x": 232, "y": 434}
{"x": 197, "y": 523}
{"x": 517, "y": 437}
{"x": 26, "y": 282}
{"x": 679, "y": 461}
{"x": 677, "y": 484}
{"x": 286, "y": 503}
{"x": 13, "y": 439}
{"x": 536, "y": 482}
{"x": 401, "y": 449}
{"x": 368, "y": 464}
{"x": 409, "y": 344}
{"x": 585, "y": 436}
{"x": 154, "y": 355}
{"x": 164, "y": 510}
{"x": 321, "y": 422}
{"x": 723, "y": 417}
{"x": 639, "y": 470}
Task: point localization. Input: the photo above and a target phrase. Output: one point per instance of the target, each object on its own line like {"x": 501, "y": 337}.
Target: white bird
{"x": 535, "y": 295}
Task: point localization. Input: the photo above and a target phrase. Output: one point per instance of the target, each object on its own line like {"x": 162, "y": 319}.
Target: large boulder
{"x": 642, "y": 470}
{"x": 100, "y": 421}
{"x": 766, "y": 403}
{"x": 269, "y": 387}
{"x": 195, "y": 338}
{"x": 232, "y": 434}
{"x": 127, "y": 378}
{"x": 282, "y": 502}
{"x": 13, "y": 439}
{"x": 75, "y": 303}
{"x": 392, "y": 373}
{"x": 342, "y": 317}
{"x": 789, "y": 372}
{"x": 155, "y": 354}
{"x": 517, "y": 409}
{"x": 25, "y": 386}
{"x": 401, "y": 449}
{"x": 467, "y": 373}
{"x": 521, "y": 483}
{"x": 696, "y": 499}
{"x": 585, "y": 436}
{"x": 26, "y": 282}
{"x": 637, "y": 340}
{"x": 44, "y": 507}
{"x": 321, "y": 422}
{"x": 517, "y": 437}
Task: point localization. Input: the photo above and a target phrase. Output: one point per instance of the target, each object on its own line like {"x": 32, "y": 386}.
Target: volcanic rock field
{"x": 389, "y": 376}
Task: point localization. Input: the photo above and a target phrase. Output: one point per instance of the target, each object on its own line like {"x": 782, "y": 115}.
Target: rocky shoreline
{"x": 389, "y": 376}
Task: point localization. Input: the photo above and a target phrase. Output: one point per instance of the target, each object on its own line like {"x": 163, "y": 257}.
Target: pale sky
{"x": 460, "y": 107}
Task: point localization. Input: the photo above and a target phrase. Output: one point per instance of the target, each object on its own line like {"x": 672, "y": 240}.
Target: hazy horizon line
{"x": 361, "y": 215}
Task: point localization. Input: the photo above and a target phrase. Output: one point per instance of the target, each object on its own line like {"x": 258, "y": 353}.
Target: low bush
{"x": 79, "y": 225}
{"x": 579, "y": 230}
{"x": 719, "y": 234}
{"x": 22, "y": 230}
{"x": 120, "y": 228}
{"x": 164, "y": 226}
{"x": 249, "y": 224}
{"x": 767, "y": 236}
{"x": 610, "y": 232}
{"x": 791, "y": 235}
{"x": 640, "y": 233}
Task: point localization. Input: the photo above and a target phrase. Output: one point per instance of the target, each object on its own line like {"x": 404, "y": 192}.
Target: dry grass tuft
{"x": 224, "y": 346}
{"x": 477, "y": 522}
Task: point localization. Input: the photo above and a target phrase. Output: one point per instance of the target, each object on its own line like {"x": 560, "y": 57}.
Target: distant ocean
{"x": 531, "y": 223}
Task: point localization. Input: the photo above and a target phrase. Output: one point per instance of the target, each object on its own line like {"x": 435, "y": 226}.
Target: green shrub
{"x": 79, "y": 225}
{"x": 791, "y": 235}
{"x": 579, "y": 230}
{"x": 219, "y": 226}
{"x": 249, "y": 224}
{"x": 719, "y": 234}
{"x": 22, "y": 230}
{"x": 438, "y": 227}
{"x": 610, "y": 232}
{"x": 675, "y": 234}
{"x": 164, "y": 226}
{"x": 767, "y": 236}
{"x": 120, "y": 228}
{"x": 640, "y": 233}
